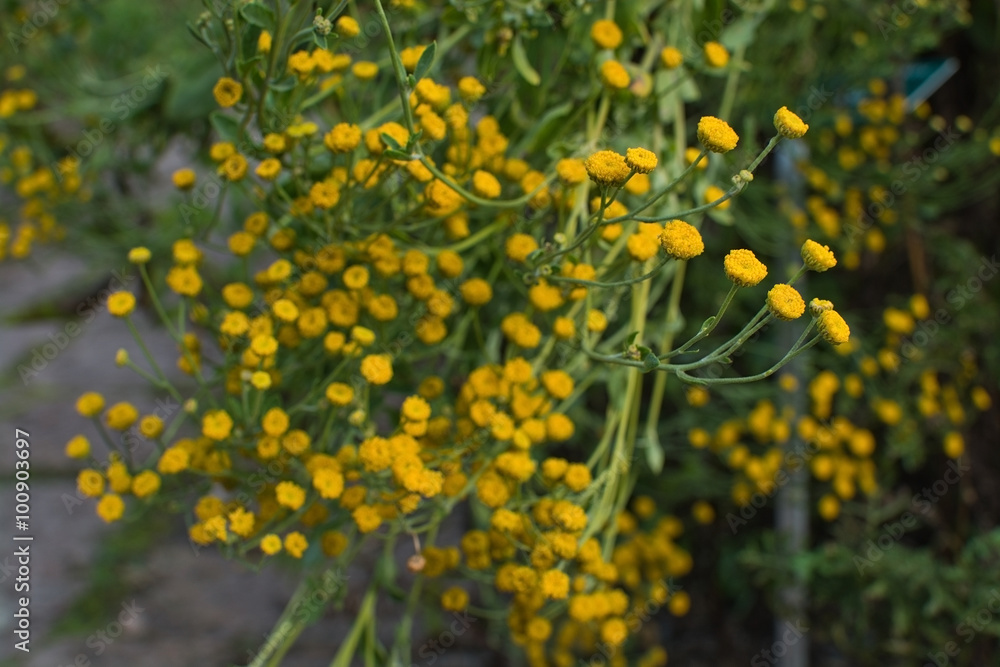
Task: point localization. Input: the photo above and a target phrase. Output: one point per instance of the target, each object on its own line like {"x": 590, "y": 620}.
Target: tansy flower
{"x": 377, "y": 368}
{"x": 519, "y": 246}
{"x": 343, "y": 138}
{"x": 606, "y": 34}
{"x": 173, "y": 460}
{"x": 290, "y": 495}
{"x": 454, "y": 599}
{"x": 296, "y": 544}
{"x": 264, "y": 42}
{"x": 819, "y": 306}
{"x": 577, "y": 477}
{"x": 743, "y": 268}
{"x": 817, "y": 257}
{"x": 614, "y": 75}
{"x": 716, "y": 135}
{"x": 571, "y": 171}
{"x": 715, "y": 193}
{"x": 410, "y": 56}
{"x": 716, "y": 54}
{"x": 139, "y": 255}
{"x": 347, "y": 27}
{"x": 269, "y": 169}
{"x": 78, "y": 447}
{"x": 329, "y": 483}
{"x": 476, "y": 292}
{"x": 110, "y": 507}
{"x": 470, "y": 89}
{"x": 607, "y": 168}
{"x": 364, "y": 70}
{"x": 785, "y": 302}
{"x": 788, "y": 124}
{"x": 120, "y": 304}
{"x": 90, "y": 483}
{"x": 271, "y": 544}
{"x": 145, "y": 484}
{"x": 151, "y": 426}
{"x": 339, "y": 393}
{"x": 367, "y": 518}
{"x": 671, "y": 57}
{"x": 184, "y": 179}
{"x": 184, "y": 280}
{"x": 216, "y": 424}
{"x": 121, "y": 416}
{"x": 833, "y": 327}
{"x": 640, "y": 160}
{"x": 681, "y": 240}
{"x": 227, "y": 92}
{"x": 90, "y": 404}
{"x": 485, "y": 184}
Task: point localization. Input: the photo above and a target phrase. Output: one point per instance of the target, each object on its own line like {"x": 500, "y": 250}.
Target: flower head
{"x": 640, "y": 160}
{"x": 788, "y": 124}
{"x": 743, "y": 268}
{"x": 716, "y": 135}
{"x": 833, "y": 327}
{"x": 681, "y": 240}
{"x": 671, "y": 57}
{"x": 139, "y": 255}
{"x": 120, "y": 304}
{"x": 785, "y": 302}
{"x": 607, "y": 168}
{"x": 614, "y": 75}
{"x": 817, "y": 257}
{"x": 606, "y": 34}
{"x": 227, "y": 91}
{"x": 716, "y": 54}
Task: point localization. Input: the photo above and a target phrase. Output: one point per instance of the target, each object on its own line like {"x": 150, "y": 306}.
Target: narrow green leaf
{"x": 393, "y": 154}
{"x": 425, "y": 62}
{"x": 521, "y": 63}
{"x": 390, "y": 142}
{"x": 227, "y": 126}
{"x": 650, "y": 363}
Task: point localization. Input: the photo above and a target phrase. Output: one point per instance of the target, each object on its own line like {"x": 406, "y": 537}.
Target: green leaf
{"x": 197, "y": 35}
{"x": 425, "y": 62}
{"x": 390, "y": 142}
{"x": 320, "y": 40}
{"x": 393, "y": 154}
{"x": 258, "y": 15}
{"x": 548, "y": 126}
{"x": 225, "y": 125}
{"x": 650, "y": 363}
{"x": 521, "y": 63}
{"x": 631, "y": 338}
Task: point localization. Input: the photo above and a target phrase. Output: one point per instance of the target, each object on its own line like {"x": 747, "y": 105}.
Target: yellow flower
{"x": 343, "y": 138}
{"x": 716, "y": 54}
{"x": 90, "y": 483}
{"x": 519, "y": 246}
{"x": 681, "y": 240}
{"x": 817, "y": 257}
{"x": 296, "y": 544}
{"x": 173, "y": 460}
{"x": 829, "y": 507}
{"x": 716, "y": 135}
{"x": 607, "y": 168}
{"x": 367, "y": 518}
{"x": 577, "y": 477}
{"x": 339, "y": 393}
{"x": 606, "y": 34}
{"x": 216, "y": 424}
{"x": 454, "y": 599}
{"x": 90, "y": 404}
{"x": 485, "y": 184}
{"x": 571, "y": 171}
{"x": 743, "y": 268}
{"x": 788, "y": 124}
{"x": 139, "y": 255}
{"x": 348, "y": 27}
{"x": 227, "y": 92}
{"x": 715, "y": 193}
{"x": 184, "y": 179}
{"x": 329, "y": 482}
{"x": 476, "y": 292}
{"x": 640, "y": 160}
{"x": 410, "y": 56}
{"x": 470, "y": 89}
{"x": 785, "y": 302}
{"x": 121, "y": 416}
{"x": 184, "y": 280}
{"x": 111, "y": 507}
{"x": 120, "y": 304}
{"x": 377, "y": 368}
{"x": 290, "y": 495}
{"x": 833, "y": 327}
{"x": 365, "y": 70}
{"x": 680, "y": 603}
{"x": 671, "y": 57}
{"x": 78, "y": 447}
{"x": 545, "y": 297}
{"x": 614, "y": 75}
{"x": 145, "y": 484}
{"x": 151, "y": 426}
{"x": 271, "y": 544}
{"x": 264, "y": 42}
